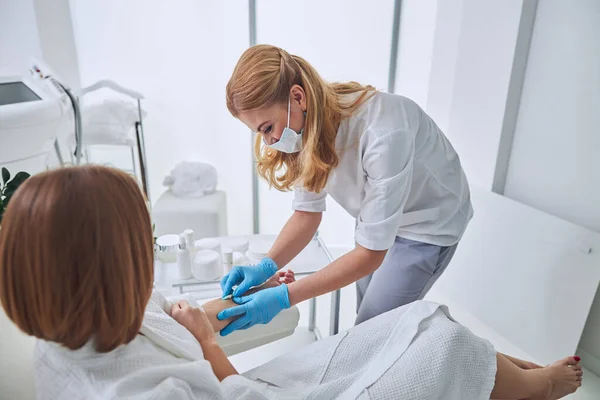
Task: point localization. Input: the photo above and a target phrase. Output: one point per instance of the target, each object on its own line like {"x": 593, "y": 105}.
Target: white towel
{"x": 159, "y": 327}
{"x": 192, "y": 179}
{"x": 413, "y": 352}
{"x": 110, "y": 121}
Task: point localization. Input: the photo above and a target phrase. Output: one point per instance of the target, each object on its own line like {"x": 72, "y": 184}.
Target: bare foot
{"x": 559, "y": 379}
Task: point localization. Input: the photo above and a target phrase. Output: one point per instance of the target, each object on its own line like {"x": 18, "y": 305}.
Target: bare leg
{"x": 214, "y": 307}
{"x": 521, "y": 363}
{"x": 548, "y": 383}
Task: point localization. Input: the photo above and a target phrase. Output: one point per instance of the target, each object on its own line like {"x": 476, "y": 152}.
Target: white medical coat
{"x": 398, "y": 175}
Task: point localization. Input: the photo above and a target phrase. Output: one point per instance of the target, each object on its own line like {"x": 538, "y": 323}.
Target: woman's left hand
{"x": 195, "y": 320}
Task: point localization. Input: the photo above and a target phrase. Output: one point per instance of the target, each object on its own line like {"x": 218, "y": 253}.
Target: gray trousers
{"x": 407, "y": 273}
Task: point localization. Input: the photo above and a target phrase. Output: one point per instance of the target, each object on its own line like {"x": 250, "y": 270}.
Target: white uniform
{"x": 399, "y": 176}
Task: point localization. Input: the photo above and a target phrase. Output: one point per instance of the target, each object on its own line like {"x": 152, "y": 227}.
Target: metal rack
{"x": 139, "y": 127}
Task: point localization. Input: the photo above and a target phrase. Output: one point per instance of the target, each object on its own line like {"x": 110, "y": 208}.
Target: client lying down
{"x": 76, "y": 271}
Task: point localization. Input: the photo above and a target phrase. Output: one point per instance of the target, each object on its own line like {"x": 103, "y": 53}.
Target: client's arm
{"x": 214, "y": 307}
{"x": 203, "y": 323}
{"x": 195, "y": 320}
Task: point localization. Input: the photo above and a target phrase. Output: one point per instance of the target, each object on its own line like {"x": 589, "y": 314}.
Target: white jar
{"x": 239, "y": 245}
{"x": 166, "y": 247}
{"x": 258, "y": 250}
{"x": 207, "y": 265}
{"x": 208, "y": 244}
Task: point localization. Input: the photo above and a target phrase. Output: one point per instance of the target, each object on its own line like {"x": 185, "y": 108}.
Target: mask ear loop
{"x": 289, "y": 109}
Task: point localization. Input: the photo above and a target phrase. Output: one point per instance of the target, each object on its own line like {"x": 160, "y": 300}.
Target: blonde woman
{"x": 379, "y": 155}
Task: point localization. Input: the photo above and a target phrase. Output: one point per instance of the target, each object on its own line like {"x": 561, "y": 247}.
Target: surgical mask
{"x": 290, "y": 141}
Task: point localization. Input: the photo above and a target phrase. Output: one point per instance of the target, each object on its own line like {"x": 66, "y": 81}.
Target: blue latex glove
{"x": 258, "y": 308}
{"x": 246, "y": 277}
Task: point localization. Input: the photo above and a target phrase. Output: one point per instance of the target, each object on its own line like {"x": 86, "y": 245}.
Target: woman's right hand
{"x": 247, "y": 277}
{"x": 195, "y": 320}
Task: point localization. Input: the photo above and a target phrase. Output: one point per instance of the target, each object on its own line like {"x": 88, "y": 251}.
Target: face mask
{"x": 290, "y": 141}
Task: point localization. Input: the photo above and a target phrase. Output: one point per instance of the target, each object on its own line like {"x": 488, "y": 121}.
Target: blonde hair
{"x": 76, "y": 257}
{"x": 264, "y": 76}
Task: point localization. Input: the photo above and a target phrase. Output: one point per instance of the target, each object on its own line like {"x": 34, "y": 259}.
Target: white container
{"x": 207, "y": 265}
{"x": 184, "y": 259}
{"x": 189, "y": 240}
{"x": 208, "y": 244}
{"x": 258, "y": 250}
{"x": 239, "y": 245}
{"x": 227, "y": 260}
{"x": 240, "y": 259}
{"x": 166, "y": 248}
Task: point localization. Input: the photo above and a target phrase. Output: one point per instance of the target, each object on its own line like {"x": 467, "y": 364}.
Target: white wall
{"x": 415, "y": 48}
{"x": 470, "y": 79}
{"x": 57, "y": 40}
{"x": 19, "y": 39}
{"x": 555, "y": 161}
{"x": 342, "y": 43}
{"x": 180, "y": 56}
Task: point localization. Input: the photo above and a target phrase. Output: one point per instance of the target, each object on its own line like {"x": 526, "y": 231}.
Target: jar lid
{"x": 167, "y": 243}
{"x": 258, "y": 249}
{"x": 207, "y": 244}
{"x": 238, "y": 244}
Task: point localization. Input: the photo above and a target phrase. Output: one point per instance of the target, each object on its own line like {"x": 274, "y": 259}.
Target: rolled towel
{"x": 192, "y": 179}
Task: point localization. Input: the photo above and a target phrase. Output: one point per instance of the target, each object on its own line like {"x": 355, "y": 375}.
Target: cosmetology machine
{"x": 35, "y": 111}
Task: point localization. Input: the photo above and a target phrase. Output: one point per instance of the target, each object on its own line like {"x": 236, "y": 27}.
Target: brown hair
{"x": 263, "y": 76}
{"x": 76, "y": 257}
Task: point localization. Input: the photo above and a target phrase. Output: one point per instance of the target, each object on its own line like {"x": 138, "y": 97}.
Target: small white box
{"x": 206, "y": 216}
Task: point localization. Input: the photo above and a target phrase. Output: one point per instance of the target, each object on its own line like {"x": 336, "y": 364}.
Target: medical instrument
{"x": 207, "y": 265}
{"x": 167, "y": 247}
{"x": 35, "y": 113}
{"x": 184, "y": 258}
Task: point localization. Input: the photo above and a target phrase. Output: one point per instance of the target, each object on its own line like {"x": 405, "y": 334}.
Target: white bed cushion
{"x": 281, "y": 326}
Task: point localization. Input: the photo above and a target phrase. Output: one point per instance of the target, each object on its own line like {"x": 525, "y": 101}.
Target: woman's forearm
{"x": 221, "y": 366}
{"x": 213, "y": 307}
{"x": 294, "y": 236}
{"x": 347, "y": 269}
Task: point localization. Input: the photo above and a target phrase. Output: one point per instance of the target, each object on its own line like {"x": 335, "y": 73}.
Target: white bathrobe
{"x": 414, "y": 352}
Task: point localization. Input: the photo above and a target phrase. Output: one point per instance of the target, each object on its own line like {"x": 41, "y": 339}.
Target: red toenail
{"x": 577, "y": 358}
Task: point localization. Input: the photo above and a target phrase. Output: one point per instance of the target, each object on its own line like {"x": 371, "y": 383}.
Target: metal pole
{"x": 334, "y": 321}
{"x": 142, "y": 151}
{"x": 312, "y": 314}
{"x": 394, "y": 50}
{"x": 255, "y": 197}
